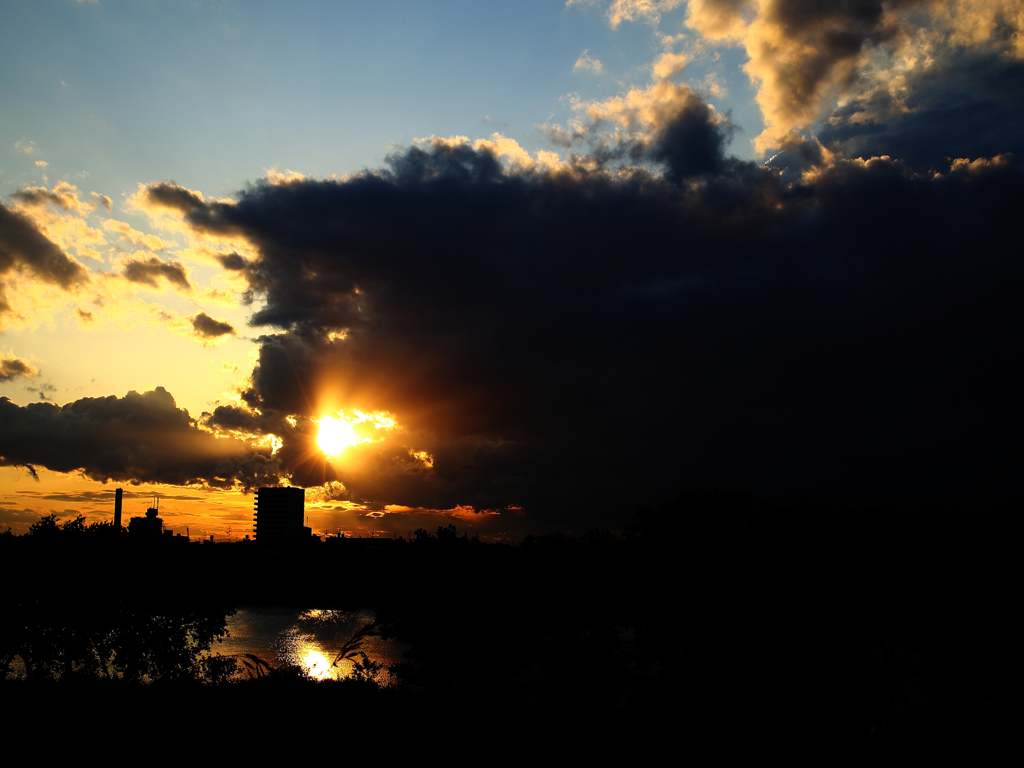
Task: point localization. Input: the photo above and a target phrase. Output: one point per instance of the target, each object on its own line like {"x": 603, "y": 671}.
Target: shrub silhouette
{"x": 64, "y": 636}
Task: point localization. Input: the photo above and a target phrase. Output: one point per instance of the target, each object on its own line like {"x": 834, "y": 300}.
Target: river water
{"x": 309, "y": 639}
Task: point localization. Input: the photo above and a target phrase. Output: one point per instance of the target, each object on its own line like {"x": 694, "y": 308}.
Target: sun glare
{"x": 316, "y": 664}
{"x": 339, "y": 432}
{"x": 335, "y": 436}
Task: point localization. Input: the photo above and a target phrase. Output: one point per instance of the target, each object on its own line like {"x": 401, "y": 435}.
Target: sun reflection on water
{"x": 306, "y": 640}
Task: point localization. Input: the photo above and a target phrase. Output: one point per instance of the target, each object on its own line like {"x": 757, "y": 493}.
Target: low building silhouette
{"x": 148, "y": 527}
{"x": 278, "y": 514}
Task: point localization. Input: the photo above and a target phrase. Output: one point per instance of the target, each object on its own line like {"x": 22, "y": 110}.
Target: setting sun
{"x": 335, "y": 436}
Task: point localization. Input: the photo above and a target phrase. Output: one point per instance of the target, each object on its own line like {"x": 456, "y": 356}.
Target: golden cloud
{"x": 805, "y": 59}
{"x": 134, "y": 236}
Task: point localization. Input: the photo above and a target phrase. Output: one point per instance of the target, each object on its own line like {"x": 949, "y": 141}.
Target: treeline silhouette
{"x": 720, "y": 624}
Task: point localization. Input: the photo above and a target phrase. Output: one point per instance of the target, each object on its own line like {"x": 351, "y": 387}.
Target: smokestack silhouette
{"x": 117, "y": 509}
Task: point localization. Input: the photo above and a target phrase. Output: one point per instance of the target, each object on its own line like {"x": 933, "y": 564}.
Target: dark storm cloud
{"x": 171, "y": 196}
{"x": 967, "y": 104}
{"x": 140, "y": 438}
{"x": 579, "y": 341}
{"x": 206, "y": 327}
{"x": 232, "y": 261}
{"x": 149, "y": 271}
{"x": 23, "y": 247}
{"x": 692, "y": 142}
{"x": 668, "y": 124}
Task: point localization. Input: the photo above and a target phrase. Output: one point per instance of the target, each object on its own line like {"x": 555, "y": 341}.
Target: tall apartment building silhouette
{"x": 278, "y": 514}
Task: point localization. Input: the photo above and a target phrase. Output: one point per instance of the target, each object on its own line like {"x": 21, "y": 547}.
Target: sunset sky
{"x": 538, "y": 262}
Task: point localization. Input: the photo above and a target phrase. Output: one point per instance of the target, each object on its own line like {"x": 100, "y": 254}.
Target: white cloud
{"x": 587, "y": 62}
{"x": 648, "y": 11}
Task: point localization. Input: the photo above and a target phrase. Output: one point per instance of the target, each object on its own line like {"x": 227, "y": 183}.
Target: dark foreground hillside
{"x": 715, "y": 628}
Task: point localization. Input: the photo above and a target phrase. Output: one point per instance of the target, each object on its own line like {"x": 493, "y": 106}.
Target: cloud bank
{"x": 589, "y": 335}
{"x": 139, "y": 438}
{"x": 572, "y": 335}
